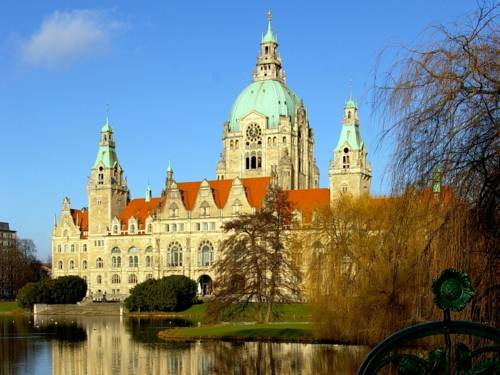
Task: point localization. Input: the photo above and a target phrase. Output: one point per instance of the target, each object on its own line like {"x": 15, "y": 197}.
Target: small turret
{"x": 170, "y": 176}
{"x": 269, "y": 62}
{"x": 350, "y": 170}
{"x": 149, "y": 193}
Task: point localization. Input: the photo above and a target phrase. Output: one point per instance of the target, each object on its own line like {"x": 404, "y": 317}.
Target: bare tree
{"x": 255, "y": 266}
{"x": 18, "y": 266}
{"x": 441, "y": 101}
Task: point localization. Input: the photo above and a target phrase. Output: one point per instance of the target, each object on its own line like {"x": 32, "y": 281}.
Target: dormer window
{"x": 132, "y": 228}
{"x": 115, "y": 229}
{"x": 348, "y": 114}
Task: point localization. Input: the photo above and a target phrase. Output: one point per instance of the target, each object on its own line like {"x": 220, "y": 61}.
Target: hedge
{"x": 65, "y": 289}
{"x": 170, "y": 293}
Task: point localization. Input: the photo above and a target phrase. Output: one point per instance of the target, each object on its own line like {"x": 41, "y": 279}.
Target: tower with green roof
{"x": 350, "y": 171}
{"x": 106, "y": 188}
{"x": 268, "y": 127}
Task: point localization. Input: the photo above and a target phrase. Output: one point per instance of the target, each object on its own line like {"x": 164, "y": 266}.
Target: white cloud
{"x": 66, "y": 36}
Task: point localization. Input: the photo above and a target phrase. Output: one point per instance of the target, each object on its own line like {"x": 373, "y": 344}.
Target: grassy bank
{"x": 294, "y": 312}
{"x": 10, "y": 308}
{"x": 195, "y": 312}
{"x": 288, "y": 331}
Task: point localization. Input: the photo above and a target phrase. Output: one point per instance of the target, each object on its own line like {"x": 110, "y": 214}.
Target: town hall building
{"x": 117, "y": 242}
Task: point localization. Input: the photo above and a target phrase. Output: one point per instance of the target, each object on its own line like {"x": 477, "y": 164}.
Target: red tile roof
{"x": 140, "y": 209}
{"x": 255, "y": 189}
{"x": 81, "y": 218}
{"x": 307, "y": 200}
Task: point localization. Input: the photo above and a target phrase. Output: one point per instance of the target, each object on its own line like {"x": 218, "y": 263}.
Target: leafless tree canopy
{"x": 255, "y": 266}
{"x": 442, "y": 104}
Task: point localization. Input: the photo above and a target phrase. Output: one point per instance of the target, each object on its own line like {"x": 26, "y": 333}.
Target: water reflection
{"x": 108, "y": 346}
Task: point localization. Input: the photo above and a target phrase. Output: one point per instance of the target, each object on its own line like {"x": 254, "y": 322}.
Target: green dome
{"x": 270, "y": 98}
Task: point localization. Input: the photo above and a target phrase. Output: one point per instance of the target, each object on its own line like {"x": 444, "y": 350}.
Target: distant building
{"x": 8, "y": 237}
{"x": 267, "y": 139}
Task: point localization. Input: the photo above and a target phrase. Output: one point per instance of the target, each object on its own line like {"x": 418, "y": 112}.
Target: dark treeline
{"x": 18, "y": 266}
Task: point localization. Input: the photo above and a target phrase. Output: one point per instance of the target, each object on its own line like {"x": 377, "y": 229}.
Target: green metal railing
{"x": 452, "y": 292}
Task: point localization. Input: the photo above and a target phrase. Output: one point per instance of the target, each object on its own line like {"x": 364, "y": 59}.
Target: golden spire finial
{"x": 269, "y": 15}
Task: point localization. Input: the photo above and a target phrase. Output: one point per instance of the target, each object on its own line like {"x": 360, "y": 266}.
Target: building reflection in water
{"x": 113, "y": 347}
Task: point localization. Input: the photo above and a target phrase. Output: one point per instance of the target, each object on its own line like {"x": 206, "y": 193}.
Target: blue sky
{"x": 170, "y": 71}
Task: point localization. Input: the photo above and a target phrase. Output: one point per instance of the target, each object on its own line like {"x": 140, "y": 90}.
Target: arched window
{"x": 345, "y": 158}
{"x": 259, "y": 162}
{"x": 115, "y": 250}
{"x": 274, "y": 140}
{"x": 99, "y": 279}
{"x": 284, "y": 139}
{"x": 237, "y": 207}
{"x": 59, "y": 248}
{"x": 174, "y": 255}
{"x": 266, "y": 50}
{"x": 231, "y": 144}
{"x": 99, "y": 263}
{"x": 204, "y": 209}
{"x": 72, "y": 248}
{"x": 247, "y": 163}
{"x": 132, "y": 228}
{"x": 115, "y": 229}
{"x": 205, "y": 254}
{"x": 71, "y": 264}
{"x": 116, "y": 261}
{"x": 66, "y": 248}
{"x": 348, "y": 114}
{"x": 148, "y": 261}
{"x": 84, "y": 247}
{"x": 253, "y": 162}
{"x": 84, "y": 264}
{"x": 132, "y": 279}
{"x": 100, "y": 180}
{"x": 115, "y": 279}
{"x": 174, "y": 210}
{"x": 60, "y": 265}
{"x": 236, "y": 144}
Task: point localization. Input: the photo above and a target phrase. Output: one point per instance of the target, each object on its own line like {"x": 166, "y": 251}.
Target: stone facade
{"x": 117, "y": 242}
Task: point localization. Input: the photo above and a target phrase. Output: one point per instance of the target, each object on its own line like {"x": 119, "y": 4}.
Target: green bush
{"x": 65, "y": 289}
{"x": 171, "y": 293}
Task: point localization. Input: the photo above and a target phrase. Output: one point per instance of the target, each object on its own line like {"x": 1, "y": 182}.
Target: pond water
{"x": 110, "y": 345}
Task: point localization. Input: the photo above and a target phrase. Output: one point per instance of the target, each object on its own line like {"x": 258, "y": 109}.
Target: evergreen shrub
{"x": 170, "y": 293}
{"x": 65, "y": 289}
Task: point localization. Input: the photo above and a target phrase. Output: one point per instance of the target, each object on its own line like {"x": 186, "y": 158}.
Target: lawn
{"x": 9, "y": 307}
{"x": 272, "y": 331}
{"x": 293, "y": 312}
